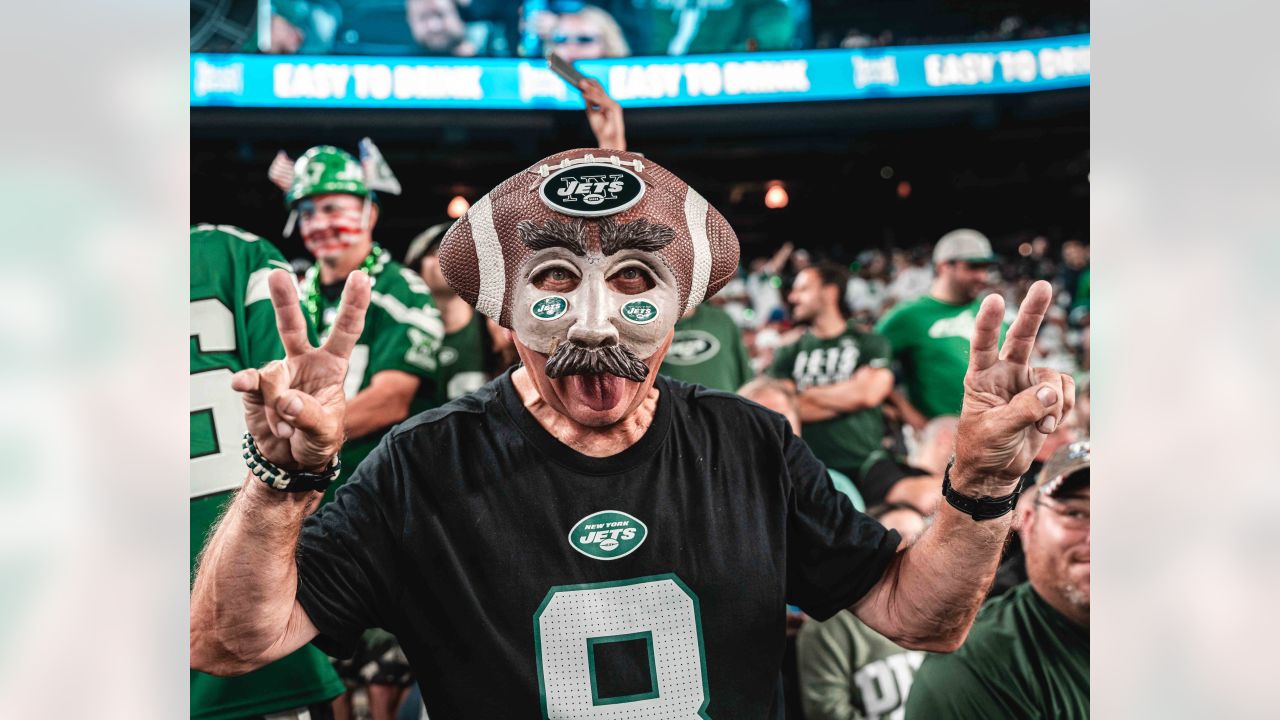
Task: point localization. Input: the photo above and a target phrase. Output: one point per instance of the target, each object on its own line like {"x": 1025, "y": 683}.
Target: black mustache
{"x": 571, "y": 359}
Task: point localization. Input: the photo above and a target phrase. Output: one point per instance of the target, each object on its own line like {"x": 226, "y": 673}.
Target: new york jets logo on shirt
{"x": 591, "y": 190}
{"x": 608, "y": 535}
{"x": 690, "y": 347}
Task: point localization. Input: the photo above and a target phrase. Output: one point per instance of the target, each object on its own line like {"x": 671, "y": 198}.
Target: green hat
{"x": 326, "y": 169}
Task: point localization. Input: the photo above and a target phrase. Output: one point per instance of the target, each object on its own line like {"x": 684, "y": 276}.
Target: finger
{"x": 1053, "y": 379}
{"x": 350, "y": 322}
{"x": 1068, "y": 394}
{"x": 245, "y": 381}
{"x": 1021, "y": 338}
{"x": 1028, "y": 408}
{"x": 289, "y": 321}
{"x": 273, "y": 380}
{"x": 301, "y": 411}
{"x": 986, "y": 333}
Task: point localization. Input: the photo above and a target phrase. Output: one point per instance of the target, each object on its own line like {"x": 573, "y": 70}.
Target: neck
{"x": 454, "y": 311}
{"x": 590, "y": 441}
{"x": 941, "y": 290}
{"x": 828, "y": 324}
{"x": 331, "y": 271}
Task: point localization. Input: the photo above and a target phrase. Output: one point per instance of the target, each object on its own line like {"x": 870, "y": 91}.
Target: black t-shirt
{"x": 523, "y": 577}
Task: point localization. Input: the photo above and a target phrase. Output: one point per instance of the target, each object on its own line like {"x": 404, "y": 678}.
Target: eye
{"x": 555, "y": 279}
{"x": 631, "y": 280}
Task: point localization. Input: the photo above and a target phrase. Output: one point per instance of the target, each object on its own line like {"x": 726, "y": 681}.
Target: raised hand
{"x": 295, "y": 407}
{"x": 1009, "y": 406}
{"x": 605, "y": 116}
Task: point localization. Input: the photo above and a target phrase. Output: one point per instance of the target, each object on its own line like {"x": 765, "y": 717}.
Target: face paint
{"x": 332, "y": 223}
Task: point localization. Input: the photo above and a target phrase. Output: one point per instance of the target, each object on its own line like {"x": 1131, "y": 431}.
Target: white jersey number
{"x": 213, "y": 326}
{"x": 574, "y": 620}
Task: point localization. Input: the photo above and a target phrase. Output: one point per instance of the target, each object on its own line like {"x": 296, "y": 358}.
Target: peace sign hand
{"x": 1009, "y": 406}
{"x": 295, "y": 407}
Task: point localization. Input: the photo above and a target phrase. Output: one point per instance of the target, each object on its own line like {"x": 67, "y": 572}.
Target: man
{"x": 707, "y": 350}
{"x": 847, "y": 671}
{"x": 232, "y": 329}
{"x": 1028, "y": 653}
{"x": 842, "y": 377}
{"x": 930, "y": 336}
{"x": 583, "y": 537}
{"x": 464, "y": 359}
{"x": 390, "y": 369}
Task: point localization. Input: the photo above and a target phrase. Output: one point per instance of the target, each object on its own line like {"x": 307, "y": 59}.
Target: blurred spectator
{"x": 1075, "y": 278}
{"x": 930, "y": 336}
{"x": 780, "y": 397}
{"x": 911, "y": 276}
{"x": 587, "y": 33}
{"x": 764, "y": 283}
{"x": 685, "y": 27}
{"x": 438, "y": 28}
{"x": 604, "y": 115}
{"x": 707, "y": 349}
{"x": 867, "y": 290}
{"x": 849, "y": 671}
{"x": 301, "y": 26}
{"x": 842, "y": 377}
{"x": 1028, "y": 652}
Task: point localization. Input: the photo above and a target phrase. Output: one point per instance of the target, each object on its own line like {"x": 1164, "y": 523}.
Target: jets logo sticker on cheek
{"x": 608, "y": 535}
{"x": 549, "y": 308}
{"x": 591, "y": 190}
{"x": 640, "y": 312}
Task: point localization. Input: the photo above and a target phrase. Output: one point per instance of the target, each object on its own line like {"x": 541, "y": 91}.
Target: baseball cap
{"x": 1064, "y": 469}
{"x": 422, "y": 245}
{"x": 963, "y": 244}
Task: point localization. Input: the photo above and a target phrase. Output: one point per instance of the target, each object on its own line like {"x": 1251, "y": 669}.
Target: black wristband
{"x": 278, "y": 478}
{"x": 981, "y": 508}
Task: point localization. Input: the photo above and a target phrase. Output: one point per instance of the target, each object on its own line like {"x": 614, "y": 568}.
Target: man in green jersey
{"x": 233, "y": 328}
{"x": 842, "y": 377}
{"x": 392, "y": 367}
{"x": 708, "y": 350}
{"x": 930, "y": 335}
{"x": 1028, "y": 653}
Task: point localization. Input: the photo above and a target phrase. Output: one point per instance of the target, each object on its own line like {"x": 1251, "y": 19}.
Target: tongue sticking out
{"x": 600, "y": 391}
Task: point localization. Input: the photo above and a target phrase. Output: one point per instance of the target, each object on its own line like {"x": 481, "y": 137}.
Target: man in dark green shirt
{"x": 841, "y": 375}
{"x": 707, "y": 350}
{"x": 930, "y": 335}
{"x": 1028, "y": 653}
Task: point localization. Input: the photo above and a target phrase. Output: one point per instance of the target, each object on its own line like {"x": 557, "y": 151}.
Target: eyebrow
{"x": 571, "y": 236}
{"x": 635, "y": 235}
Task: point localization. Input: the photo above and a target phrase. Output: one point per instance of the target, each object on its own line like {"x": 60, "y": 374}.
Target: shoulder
{"x": 453, "y": 418}
{"x": 237, "y": 241}
{"x": 720, "y": 408}
{"x": 900, "y": 313}
{"x": 396, "y": 293}
{"x": 396, "y": 279}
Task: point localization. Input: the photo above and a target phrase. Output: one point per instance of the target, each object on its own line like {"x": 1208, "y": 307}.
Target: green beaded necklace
{"x": 372, "y": 265}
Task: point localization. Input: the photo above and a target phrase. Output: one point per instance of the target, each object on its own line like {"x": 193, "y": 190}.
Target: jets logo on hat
{"x": 591, "y": 190}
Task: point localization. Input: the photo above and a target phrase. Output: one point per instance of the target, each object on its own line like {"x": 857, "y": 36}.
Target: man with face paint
{"x": 582, "y": 537}
{"x": 391, "y": 368}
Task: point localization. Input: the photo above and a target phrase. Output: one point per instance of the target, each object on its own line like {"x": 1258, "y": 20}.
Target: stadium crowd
{"x": 867, "y": 363}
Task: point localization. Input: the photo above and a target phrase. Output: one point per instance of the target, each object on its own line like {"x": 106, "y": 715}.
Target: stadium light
{"x": 458, "y": 206}
{"x": 775, "y": 197}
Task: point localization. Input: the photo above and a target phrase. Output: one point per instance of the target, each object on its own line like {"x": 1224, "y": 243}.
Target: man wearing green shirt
{"x": 708, "y": 350}
{"x": 233, "y": 328}
{"x": 1027, "y": 655}
{"x": 391, "y": 370}
{"x": 841, "y": 375}
{"x": 930, "y": 336}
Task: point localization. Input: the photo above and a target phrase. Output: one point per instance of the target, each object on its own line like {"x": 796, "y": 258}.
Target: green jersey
{"x": 461, "y": 362}
{"x": 930, "y": 341}
{"x": 686, "y": 27}
{"x": 707, "y": 350}
{"x": 402, "y": 331}
{"x": 233, "y": 328}
{"x": 847, "y": 441}
{"x": 1022, "y": 659}
{"x": 847, "y": 670}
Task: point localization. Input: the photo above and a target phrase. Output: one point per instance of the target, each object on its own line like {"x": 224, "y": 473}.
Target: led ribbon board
{"x": 275, "y": 81}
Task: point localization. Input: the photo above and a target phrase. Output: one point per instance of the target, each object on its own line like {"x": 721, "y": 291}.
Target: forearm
{"x": 929, "y": 596}
{"x": 243, "y": 607}
{"x": 813, "y": 410}
{"x": 863, "y": 390}
{"x": 375, "y": 408}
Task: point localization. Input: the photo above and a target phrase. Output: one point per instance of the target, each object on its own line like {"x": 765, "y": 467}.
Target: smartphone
{"x": 565, "y": 69}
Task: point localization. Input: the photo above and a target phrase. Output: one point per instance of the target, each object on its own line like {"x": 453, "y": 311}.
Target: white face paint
{"x": 596, "y": 287}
